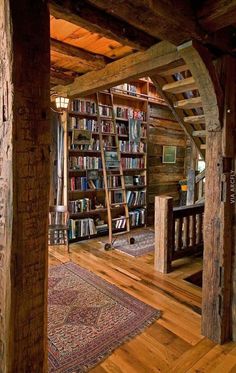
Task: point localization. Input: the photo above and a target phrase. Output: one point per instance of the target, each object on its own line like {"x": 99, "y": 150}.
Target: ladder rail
{"x": 109, "y": 172}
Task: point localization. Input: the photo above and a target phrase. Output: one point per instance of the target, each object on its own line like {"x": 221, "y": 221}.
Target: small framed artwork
{"x": 81, "y": 137}
{"x": 111, "y": 159}
{"x": 92, "y": 175}
{"x": 169, "y": 154}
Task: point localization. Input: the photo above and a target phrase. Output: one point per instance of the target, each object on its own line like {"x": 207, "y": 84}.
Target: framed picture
{"x": 169, "y": 154}
{"x": 81, "y": 137}
{"x": 92, "y": 175}
{"x": 111, "y": 159}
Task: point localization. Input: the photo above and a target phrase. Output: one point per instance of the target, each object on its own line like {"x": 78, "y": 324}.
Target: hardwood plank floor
{"x": 174, "y": 342}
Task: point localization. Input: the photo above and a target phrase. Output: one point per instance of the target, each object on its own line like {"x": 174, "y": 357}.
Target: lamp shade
{"x": 62, "y": 102}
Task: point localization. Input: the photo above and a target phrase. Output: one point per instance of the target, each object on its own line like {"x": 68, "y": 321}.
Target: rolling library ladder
{"x": 112, "y": 168}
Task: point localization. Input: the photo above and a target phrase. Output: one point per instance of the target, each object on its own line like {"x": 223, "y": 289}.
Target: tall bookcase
{"x": 86, "y": 193}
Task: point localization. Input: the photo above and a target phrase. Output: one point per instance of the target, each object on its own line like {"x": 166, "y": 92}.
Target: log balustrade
{"x": 178, "y": 232}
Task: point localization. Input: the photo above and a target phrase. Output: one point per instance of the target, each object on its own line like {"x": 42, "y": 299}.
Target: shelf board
{"x": 127, "y": 187}
{"x": 100, "y": 234}
{"x": 138, "y": 170}
{"x": 84, "y": 170}
{"x": 82, "y": 115}
{"x": 87, "y": 213}
{"x": 86, "y": 190}
{"x": 79, "y": 151}
{"x": 135, "y": 154}
{"x": 125, "y": 95}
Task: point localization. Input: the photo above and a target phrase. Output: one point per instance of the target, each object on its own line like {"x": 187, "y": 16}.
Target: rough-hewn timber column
{"x": 24, "y": 184}
{"x": 219, "y": 110}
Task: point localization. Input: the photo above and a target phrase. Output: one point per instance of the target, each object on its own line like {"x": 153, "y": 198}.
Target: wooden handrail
{"x": 178, "y": 232}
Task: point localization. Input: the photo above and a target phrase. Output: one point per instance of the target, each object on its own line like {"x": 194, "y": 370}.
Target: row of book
{"x": 129, "y": 113}
{"x": 81, "y": 228}
{"x": 135, "y": 198}
{"x": 105, "y": 111}
{"x": 80, "y": 205}
{"x": 84, "y": 106}
{"x": 137, "y": 217}
{"x": 82, "y": 183}
{"x": 130, "y": 89}
{"x": 83, "y": 124}
{"x": 119, "y": 224}
{"x": 122, "y": 128}
{"x": 85, "y": 163}
{"x": 132, "y": 162}
{"x": 134, "y": 180}
{"x": 132, "y": 147}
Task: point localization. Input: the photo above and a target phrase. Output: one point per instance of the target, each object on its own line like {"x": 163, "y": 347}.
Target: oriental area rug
{"x": 144, "y": 244}
{"x": 88, "y": 318}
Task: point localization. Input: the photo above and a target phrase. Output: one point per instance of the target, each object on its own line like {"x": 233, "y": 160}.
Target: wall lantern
{"x": 62, "y": 103}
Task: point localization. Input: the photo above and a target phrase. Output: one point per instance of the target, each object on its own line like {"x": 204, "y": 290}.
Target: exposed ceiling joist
{"x": 58, "y": 77}
{"x": 69, "y": 50}
{"x": 83, "y": 14}
{"x": 214, "y": 15}
{"x": 167, "y": 20}
{"x": 133, "y": 66}
{"x": 176, "y": 20}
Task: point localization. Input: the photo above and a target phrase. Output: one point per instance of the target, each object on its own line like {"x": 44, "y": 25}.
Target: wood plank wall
{"x": 163, "y": 178}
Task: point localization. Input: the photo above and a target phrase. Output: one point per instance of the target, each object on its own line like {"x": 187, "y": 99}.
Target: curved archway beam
{"x": 218, "y": 220}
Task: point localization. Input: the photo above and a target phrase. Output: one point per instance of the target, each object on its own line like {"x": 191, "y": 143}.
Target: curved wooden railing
{"x": 178, "y": 232}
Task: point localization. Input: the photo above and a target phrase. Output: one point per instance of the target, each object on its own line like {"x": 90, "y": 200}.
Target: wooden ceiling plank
{"x": 85, "y": 15}
{"x": 133, "y": 66}
{"x": 217, "y": 14}
{"x": 69, "y": 50}
{"x": 180, "y": 86}
{"x": 157, "y": 18}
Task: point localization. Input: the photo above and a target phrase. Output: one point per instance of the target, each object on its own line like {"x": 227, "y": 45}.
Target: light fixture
{"x": 62, "y": 103}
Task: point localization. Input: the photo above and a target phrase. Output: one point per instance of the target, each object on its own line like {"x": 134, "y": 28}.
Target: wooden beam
{"x": 214, "y": 15}
{"x": 157, "y": 18}
{"x": 189, "y": 103}
{"x": 218, "y": 228}
{"x": 198, "y": 119}
{"x": 134, "y": 66}
{"x": 163, "y": 233}
{"x": 57, "y": 77}
{"x": 180, "y": 86}
{"x": 94, "y": 60}
{"x": 24, "y": 184}
{"x": 83, "y": 14}
{"x": 173, "y": 68}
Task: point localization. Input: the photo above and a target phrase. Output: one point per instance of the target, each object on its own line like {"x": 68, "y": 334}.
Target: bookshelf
{"x": 86, "y": 197}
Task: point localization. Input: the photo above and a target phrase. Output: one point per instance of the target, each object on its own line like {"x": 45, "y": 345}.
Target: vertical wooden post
{"x": 220, "y": 161}
{"x": 24, "y": 184}
{"x": 163, "y": 233}
{"x": 65, "y": 159}
{"x": 191, "y": 191}
{"x": 218, "y": 232}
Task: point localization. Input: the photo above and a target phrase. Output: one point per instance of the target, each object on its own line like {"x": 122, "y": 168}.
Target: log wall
{"x": 24, "y": 184}
{"x": 163, "y": 178}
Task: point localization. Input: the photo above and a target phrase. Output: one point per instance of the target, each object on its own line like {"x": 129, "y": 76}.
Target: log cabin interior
{"x": 117, "y": 175}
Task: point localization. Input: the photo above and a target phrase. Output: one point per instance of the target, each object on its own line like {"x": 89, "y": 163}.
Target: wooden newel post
{"x": 163, "y": 233}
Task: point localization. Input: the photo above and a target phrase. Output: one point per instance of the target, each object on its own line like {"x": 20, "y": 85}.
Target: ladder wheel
{"x": 131, "y": 240}
{"x": 107, "y": 246}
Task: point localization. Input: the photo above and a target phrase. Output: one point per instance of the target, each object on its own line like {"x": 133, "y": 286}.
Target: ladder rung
{"x": 121, "y": 218}
{"x": 119, "y": 233}
{"x": 118, "y": 204}
{"x": 115, "y": 188}
{"x": 106, "y": 106}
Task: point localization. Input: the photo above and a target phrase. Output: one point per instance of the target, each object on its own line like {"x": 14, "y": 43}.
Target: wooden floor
{"x": 174, "y": 342}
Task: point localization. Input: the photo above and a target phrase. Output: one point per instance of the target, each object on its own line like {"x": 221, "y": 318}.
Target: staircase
{"x": 177, "y": 87}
